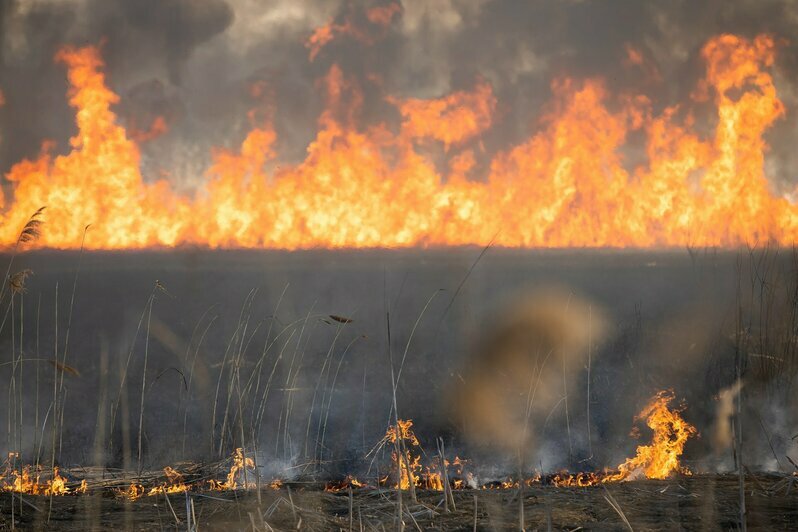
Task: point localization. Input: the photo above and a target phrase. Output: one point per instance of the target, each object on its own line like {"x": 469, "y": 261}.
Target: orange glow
{"x": 383, "y": 15}
{"x": 374, "y": 186}
{"x": 380, "y": 18}
{"x": 157, "y": 128}
{"x": 320, "y": 37}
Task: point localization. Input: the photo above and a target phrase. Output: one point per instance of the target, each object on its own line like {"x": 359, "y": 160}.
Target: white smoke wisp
{"x": 722, "y": 435}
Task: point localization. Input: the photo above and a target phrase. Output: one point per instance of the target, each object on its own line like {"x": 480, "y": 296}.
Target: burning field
{"x": 276, "y": 407}
{"x": 337, "y": 268}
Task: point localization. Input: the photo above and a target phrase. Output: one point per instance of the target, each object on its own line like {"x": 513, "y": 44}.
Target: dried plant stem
{"x": 29, "y": 233}
{"x": 227, "y": 350}
{"x": 291, "y": 380}
{"x": 589, "y": 360}
{"x": 191, "y": 375}
{"x": 123, "y": 377}
{"x": 261, "y": 411}
{"x": 332, "y": 390}
{"x": 324, "y": 366}
{"x": 69, "y": 327}
{"x": 448, "y": 496}
{"x": 55, "y": 397}
{"x": 737, "y": 422}
{"x": 144, "y": 380}
{"x": 37, "y": 437}
{"x": 617, "y": 507}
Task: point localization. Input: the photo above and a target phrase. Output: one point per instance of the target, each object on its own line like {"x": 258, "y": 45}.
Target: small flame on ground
{"x": 30, "y": 484}
{"x": 237, "y": 478}
{"x": 174, "y": 483}
{"x": 238, "y": 470}
{"x": 657, "y": 460}
{"x": 345, "y": 484}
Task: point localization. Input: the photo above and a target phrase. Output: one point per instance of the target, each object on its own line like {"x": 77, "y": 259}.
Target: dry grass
{"x": 689, "y": 503}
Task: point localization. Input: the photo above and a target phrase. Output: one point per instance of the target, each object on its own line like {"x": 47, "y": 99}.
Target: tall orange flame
{"x": 373, "y": 187}
{"x": 657, "y": 460}
{"x": 660, "y": 459}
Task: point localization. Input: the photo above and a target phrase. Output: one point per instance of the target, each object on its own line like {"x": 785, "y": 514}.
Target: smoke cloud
{"x": 193, "y": 64}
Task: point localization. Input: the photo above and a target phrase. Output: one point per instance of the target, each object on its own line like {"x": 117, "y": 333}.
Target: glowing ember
{"x": 369, "y": 186}
{"x": 343, "y": 485}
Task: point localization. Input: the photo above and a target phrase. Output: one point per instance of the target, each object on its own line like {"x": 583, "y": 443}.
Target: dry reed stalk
{"x": 191, "y": 374}
{"x": 332, "y": 390}
{"x": 242, "y": 396}
{"x": 123, "y": 376}
{"x": 413, "y": 332}
{"x": 66, "y": 336}
{"x": 55, "y": 399}
{"x": 325, "y": 364}
{"x": 216, "y": 397}
{"x": 589, "y": 361}
{"x": 257, "y": 473}
{"x": 617, "y": 507}
{"x": 397, "y": 444}
{"x": 737, "y": 422}
{"x": 144, "y": 377}
{"x": 190, "y": 363}
{"x": 395, "y": 382}
{"x": 293, "y": 508}
{"x": 100, "y": 427}
{"x": 261, "y": 411}
{"x": 30, "y": 232}
{"x": 448, "y": 496}
{"x": 465, "y": 278}
{"x": 258, "y": 371}
{"x": 351, "y": 516}
{"x": 475, "y": 513}
{"x": 294, "y": 380}
{"x": 36, "y": 435}
{"x": 327, "y": 393}
{"x": 236, "y": 335}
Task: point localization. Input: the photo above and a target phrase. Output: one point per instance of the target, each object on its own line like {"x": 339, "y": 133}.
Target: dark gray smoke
{"x": 673, "y": 323}
{"x": 192, "y": 61}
